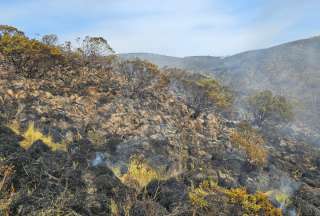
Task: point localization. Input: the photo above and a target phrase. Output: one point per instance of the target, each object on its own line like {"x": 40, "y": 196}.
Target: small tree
{"x": 50, "y": 39}
{"x": 205, "y": 93}
{"x": 219, "y": 95}
{"x": 195, "y": 97}
{"x": 94, "y": 47}
{"x": 139, "y": 74}
{"x": 265, "y": 106}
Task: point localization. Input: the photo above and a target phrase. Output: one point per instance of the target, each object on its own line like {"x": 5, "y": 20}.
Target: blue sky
{"x": 171, "y": 27}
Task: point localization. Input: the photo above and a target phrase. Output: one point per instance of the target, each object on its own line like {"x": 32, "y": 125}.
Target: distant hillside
{"x": 291, "y": 69}
{"x": 193, "y": 63}
{"x": 161, "y": 60}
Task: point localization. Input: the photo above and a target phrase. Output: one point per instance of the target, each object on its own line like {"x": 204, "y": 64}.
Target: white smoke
{"x": 98, "y": 160}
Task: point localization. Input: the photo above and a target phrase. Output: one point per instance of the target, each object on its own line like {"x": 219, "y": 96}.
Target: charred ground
{"x": 104, "y": 136}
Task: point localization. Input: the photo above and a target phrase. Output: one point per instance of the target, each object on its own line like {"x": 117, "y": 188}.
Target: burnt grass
{"x": 105, "y": 118}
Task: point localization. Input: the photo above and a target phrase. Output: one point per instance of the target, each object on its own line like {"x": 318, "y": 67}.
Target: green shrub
{"x": 202, "y": 93}
{"x": 266, "y": 106}
{"x": 30, "y": 57}
{"x": 218, "y": 94}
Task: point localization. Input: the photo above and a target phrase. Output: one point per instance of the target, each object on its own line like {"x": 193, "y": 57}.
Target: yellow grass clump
{"x": 253, "y": 204}
{"x": 32, "y": 134}
{"x": 139, "y": 174}
{"x": 197, "y": 197}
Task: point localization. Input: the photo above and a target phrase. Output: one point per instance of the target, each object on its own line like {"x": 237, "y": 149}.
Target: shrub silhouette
{"x": 93, "y": 48}
{"x": 50, "y": 39}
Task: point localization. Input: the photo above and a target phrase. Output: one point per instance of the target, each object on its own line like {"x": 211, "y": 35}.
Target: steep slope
{"x": 291, "y": 69}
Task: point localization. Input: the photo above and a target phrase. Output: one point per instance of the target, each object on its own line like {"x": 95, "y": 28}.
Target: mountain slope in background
{"x": 291, "y": 69}
{"x": 192, "y": 63}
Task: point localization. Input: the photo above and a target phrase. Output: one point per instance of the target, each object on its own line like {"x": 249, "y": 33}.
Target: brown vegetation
{"x": 248, "y": 139}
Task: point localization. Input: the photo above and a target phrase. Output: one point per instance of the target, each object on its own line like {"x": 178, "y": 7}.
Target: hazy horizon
{"x": 232, "y": 54}
{"x": 174, "y": 28}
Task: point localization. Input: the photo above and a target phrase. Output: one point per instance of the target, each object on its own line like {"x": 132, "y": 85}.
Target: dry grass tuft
{"x": 7, "y": 191}
{"x": 248, "y": 139}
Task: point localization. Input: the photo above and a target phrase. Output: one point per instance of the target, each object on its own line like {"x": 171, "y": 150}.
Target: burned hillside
{"x": 92, "y": 134}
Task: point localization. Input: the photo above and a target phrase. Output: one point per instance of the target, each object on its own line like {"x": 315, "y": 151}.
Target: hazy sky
{"x": 172, "y": 27}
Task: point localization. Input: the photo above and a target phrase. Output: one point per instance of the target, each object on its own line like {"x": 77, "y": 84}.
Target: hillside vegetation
{"x": 84, "y": 132}
{"x": 291, "y": 70}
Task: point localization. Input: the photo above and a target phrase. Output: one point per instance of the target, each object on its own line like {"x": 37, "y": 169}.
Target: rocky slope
{"x": 105, "y": 141}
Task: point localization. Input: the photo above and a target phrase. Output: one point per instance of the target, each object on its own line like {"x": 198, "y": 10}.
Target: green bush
{"x": 217, "y": 94}
{"x": 266, "y": 106}
{"x": 204, "y": 93}
{"x": 30, "y": 57}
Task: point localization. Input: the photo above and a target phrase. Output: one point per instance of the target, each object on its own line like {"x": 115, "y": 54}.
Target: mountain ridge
{"x": 224, "y": 56}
